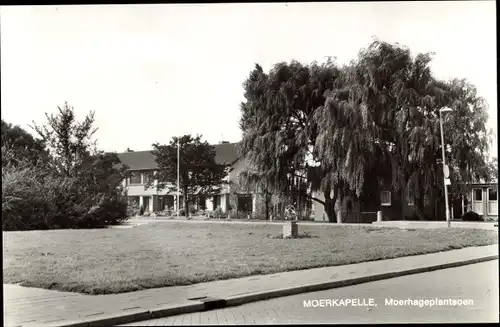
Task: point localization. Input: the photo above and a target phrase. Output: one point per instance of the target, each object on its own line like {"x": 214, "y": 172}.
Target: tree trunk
{"x": 330, "y": 206}
{"x": 266, "y": 202}
{"x": 419, "y": 207}
{"x": 186, "y": 203}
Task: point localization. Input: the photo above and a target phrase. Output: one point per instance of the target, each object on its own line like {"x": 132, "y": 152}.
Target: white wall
{"x": 318, "y": 208}
{"x": 209, "y": 203}
{"x": 223, "y": 202}
{"x": 254, "y": 203}
{"x": 136, "y": 190}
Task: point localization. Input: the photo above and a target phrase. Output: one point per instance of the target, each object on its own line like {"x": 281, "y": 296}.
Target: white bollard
{"x": 379, "y": 216}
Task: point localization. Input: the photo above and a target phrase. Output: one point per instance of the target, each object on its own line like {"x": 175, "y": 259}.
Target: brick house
{"x": 142, "y": 165}
{"x": 483, "y": 200}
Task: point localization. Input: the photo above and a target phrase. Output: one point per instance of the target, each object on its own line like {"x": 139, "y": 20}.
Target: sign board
{"x": 446, "y": 171}
{"x": 447, "y": 181}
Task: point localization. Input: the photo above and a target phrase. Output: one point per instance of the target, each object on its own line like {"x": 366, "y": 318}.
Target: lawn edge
{"x": 195, "y": 306}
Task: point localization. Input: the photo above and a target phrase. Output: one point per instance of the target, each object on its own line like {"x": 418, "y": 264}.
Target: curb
{"x": 216, "y": 303}
{"x": 238, "y": 300}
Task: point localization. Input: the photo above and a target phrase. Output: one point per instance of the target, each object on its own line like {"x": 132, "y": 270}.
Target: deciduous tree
{"x": 199, "y": 173}
{"x": 19, "y": 144}
{"x": 369, "y": 125}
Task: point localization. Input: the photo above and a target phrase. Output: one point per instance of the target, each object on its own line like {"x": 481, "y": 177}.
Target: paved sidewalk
{"x": 438, "y": 224}
{"x": 148, "y": 220}
{"x": 136, "y": 221}
{"x": 34, "y": 307}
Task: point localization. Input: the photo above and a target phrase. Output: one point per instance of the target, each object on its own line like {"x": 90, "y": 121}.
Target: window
{"x": 135, "y": 177}
{"x": 148, "y": 176}
{"x": 477, "y": 194}
{"x": 385, "y": 198}
{"x": 492, "y": 194}
{"x": 133, "y": 201}
{"x": 493, "y": 201}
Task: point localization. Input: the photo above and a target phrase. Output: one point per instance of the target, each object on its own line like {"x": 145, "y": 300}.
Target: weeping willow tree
{"x": 278, "y": 126}
{"x": 372, "y": 124}
{"x": 367, "y": 127}
{"x": 387, "y": 128}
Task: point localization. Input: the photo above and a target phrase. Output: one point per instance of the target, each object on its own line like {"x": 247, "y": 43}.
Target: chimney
{"x": 222, "y": 140}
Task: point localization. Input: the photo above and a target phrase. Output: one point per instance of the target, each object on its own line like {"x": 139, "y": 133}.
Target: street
{"x": 477, "y": 282}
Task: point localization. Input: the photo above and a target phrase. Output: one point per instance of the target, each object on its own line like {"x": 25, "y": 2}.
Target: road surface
{"x": 477, "y": 282}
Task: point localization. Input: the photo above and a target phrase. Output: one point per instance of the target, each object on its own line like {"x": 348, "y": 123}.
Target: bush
{"x": 34, "y": 197}
{"x": 132, "y": 210}
{"x": 472, "y": 216}
{"x": 164, "y": 213}
{"x": 199, "y": 213}
{"x": 307, "y": 215}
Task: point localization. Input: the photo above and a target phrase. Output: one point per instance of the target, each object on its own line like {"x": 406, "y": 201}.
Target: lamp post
{"x": 178, "y": 190}
{"x": 445, "y": 168}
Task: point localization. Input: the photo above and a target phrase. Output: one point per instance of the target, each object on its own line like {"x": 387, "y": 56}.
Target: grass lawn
{"x": 103, "y": 261}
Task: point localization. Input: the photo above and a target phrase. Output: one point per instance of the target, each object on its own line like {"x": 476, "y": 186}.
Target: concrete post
{"x": 379, "y": 216}
{"x": 339, "y": 217}
{"x": 290, "y": 230}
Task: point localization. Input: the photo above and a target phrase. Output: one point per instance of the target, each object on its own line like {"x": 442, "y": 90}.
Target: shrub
{"x": 163, "y": 213}
{"x": 258, "y": 216}
{"x": 472, "y": 216}
{"x": 307, "y": 215}
{"x": 199, "y": 213}
{"x": 33, "y": 197}
{"x": 132, "y": 210}
{"x": 246, "y": 215}
{"x": 232, "y": 213}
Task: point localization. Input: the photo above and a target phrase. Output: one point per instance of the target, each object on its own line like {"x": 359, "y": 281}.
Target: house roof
{"x": 225, "y": 153}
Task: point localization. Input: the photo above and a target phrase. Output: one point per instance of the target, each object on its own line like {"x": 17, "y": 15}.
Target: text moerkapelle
{"x": 339, "y": 303}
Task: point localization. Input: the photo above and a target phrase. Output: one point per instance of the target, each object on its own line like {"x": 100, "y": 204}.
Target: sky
{"x": 155, "y": 71}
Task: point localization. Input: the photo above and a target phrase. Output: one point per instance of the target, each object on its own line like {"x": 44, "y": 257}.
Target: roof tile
{"x": 225, "y": 153}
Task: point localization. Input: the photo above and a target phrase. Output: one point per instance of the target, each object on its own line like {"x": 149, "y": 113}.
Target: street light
{"x": 178, "y": 191}
{"x": 446, "y": 171}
